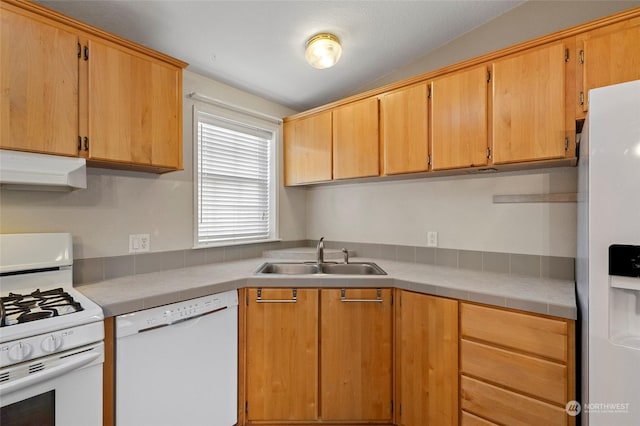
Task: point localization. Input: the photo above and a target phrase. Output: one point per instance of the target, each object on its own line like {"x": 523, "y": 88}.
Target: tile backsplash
{"x": 507, "y": 263}
{"x": 87, "y": 271}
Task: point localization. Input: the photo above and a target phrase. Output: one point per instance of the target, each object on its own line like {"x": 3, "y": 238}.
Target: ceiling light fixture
{"x": 323, "y": 50}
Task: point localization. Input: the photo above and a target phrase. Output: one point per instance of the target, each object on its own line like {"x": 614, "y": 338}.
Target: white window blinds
{"x": 234, "y": 179}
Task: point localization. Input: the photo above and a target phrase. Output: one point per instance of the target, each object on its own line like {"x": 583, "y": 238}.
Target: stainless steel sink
{"x": 363, "y": 268}
{"x": 288, "y": 268}
{"x": 299, "y": 268}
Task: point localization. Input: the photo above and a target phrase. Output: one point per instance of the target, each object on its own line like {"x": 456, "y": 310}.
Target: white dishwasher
{"x": 178, "y": 364}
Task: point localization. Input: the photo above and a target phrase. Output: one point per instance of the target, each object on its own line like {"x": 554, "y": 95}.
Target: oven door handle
{"x": 75, "y": 362}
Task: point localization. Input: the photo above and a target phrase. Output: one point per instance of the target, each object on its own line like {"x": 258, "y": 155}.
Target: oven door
{"x": 63, "y": 389}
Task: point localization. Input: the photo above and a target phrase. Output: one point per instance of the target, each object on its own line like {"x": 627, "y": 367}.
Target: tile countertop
{"x": 133, "y": 293}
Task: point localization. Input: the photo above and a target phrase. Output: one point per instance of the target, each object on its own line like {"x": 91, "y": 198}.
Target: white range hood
{"x": 41, "y": 172}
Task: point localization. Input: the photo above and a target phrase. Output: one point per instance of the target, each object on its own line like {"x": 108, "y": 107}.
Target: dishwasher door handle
{"x": 182, "y": 320}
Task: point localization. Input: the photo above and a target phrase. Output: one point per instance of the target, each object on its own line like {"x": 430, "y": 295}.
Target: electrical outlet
{"x": 139, "y": 243}
{"x": 432, "y": 239}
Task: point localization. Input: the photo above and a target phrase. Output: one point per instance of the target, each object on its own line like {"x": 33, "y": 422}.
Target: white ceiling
{"x": 258, "y": 46}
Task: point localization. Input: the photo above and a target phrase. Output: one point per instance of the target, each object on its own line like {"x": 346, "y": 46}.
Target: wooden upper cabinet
{"x": 404, "y": 118}
{"x": 307, "y": 149}
{"x": 356, "y": 355}
{"x": 133, "y": 106}
{"x": 282, "y": 355}
{"x": 426, "y": 344}
{"x": 355, "y": 140}
{"x": 459, "y": 120}
{"x": 528, "y": 98}
{"x": 611, "y": 56}
{"x": 70, "y": 89}
{"x": 39, "y": 73}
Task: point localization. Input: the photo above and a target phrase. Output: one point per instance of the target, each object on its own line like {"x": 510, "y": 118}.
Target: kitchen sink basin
{"x": 296, "y": 268}
{"x": 364, "y": 268}
{"x": 288, "y": 268}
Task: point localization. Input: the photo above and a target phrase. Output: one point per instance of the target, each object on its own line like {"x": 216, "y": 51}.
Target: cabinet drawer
{"x": 534, "y": 376}
{"x": 505, "y": 407}
{"x": 540, "y": 336}
{"x": 468, "y": 419}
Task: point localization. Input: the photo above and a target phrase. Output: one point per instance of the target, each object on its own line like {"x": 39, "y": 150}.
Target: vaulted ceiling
{"x": 258, "y": 46}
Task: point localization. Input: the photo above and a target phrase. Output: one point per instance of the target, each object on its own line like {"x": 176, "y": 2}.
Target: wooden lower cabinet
{"x": 426, "y": 350}
{"x": 282, "y": 354}
{"x": 356, "y": 355}
{"x": 317, "y": 356}
{"x": 515, "y": 368}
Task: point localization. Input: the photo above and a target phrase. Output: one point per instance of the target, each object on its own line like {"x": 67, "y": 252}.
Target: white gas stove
{"x": 51, "y": 349}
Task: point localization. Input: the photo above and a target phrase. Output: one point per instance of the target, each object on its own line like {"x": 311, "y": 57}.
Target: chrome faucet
{"x": 345, "y": 255}
{"x": 320, "y": 251}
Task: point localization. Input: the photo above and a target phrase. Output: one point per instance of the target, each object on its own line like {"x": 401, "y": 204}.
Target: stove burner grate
{"x": 22, "y": 308}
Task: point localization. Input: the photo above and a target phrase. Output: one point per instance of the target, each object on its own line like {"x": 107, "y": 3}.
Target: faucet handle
{"x": 345, "y": 253}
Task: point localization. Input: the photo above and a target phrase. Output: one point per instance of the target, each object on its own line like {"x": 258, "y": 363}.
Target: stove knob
{"x": 51, "y": 343}
{"x": 19, "y": 351}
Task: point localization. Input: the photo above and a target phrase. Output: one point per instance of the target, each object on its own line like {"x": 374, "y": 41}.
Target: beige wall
{"x": 532, "y": 19}
{"x": 460, "y": 209}
{"x": 117, "y": 203}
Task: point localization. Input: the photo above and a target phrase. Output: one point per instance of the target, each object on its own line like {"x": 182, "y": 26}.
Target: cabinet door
{"x": 133, "y": 108}
{"x": 39, "y": 86}
{"x": 459, "y": 120}
{"x": 426, "y": 360}
{"x": 528, "y": 120}
{"x": 355, "y": 356}
{"x": 405, "y": 130}
{"x": 355, "y": 140}
{"x": 282, "y": 354}
{"x": 611, "y": 56}
{"x": 307, "y": 149}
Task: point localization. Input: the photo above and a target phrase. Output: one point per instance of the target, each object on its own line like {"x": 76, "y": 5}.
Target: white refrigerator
{"x": 608, "y": 258}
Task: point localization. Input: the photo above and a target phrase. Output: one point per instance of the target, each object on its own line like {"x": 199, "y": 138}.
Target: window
{"x": 234, "y": 179}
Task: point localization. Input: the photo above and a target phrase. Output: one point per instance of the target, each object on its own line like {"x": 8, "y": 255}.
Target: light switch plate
{"x": 432, "y": 239}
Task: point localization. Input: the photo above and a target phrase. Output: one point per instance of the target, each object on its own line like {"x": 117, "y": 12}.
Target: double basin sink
{"x": 311, "y": 268}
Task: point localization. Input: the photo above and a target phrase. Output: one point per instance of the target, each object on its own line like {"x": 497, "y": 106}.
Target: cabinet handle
{"x": 86, "y": 53}
{"x": 294, "y": 298}
{"x": 86, "y": 143}
{"x": 378, "y": 299}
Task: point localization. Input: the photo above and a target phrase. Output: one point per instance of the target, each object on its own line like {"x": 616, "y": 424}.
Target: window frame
{"x": 243, "y": 120}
